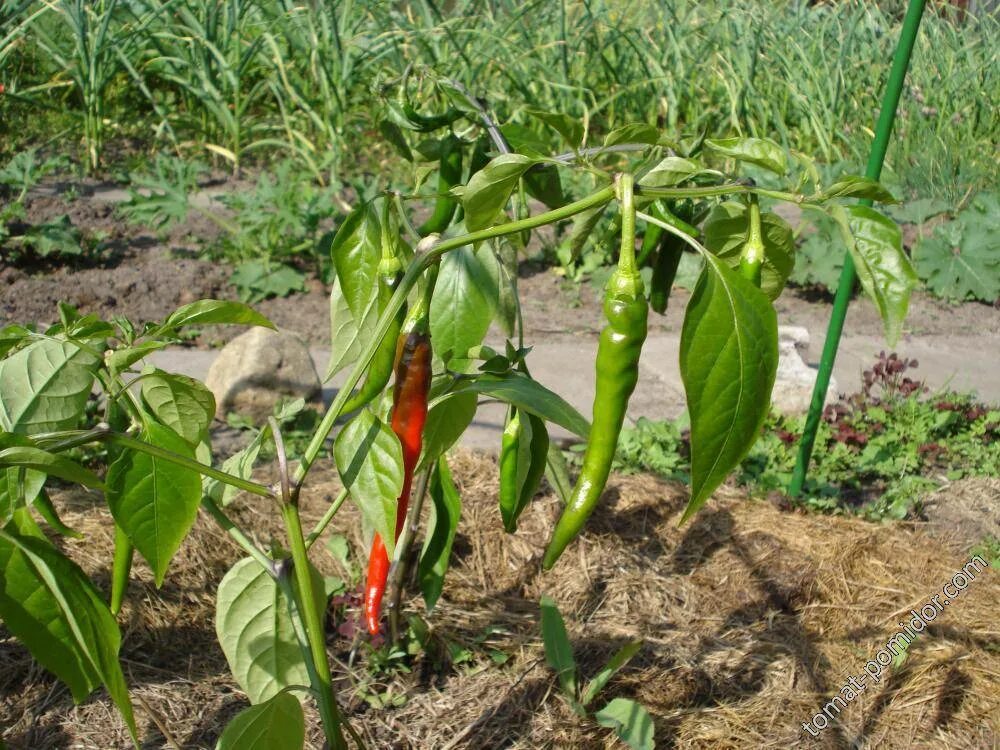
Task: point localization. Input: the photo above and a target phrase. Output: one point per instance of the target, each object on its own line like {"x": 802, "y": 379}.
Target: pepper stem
{"x": 626, "y": 255}
{"x": 626, "y": 281}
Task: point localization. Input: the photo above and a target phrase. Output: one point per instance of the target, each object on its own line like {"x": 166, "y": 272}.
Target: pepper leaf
{"x": 528, "y": 395}
{"x": 370, "y": 461}
{"x": 726, "y": 231}
{"x": 214, "y": 312}
{"x": 728, "y": 360}
{"x": 45, "y": 386}
{"x": 760, "y": 151}
{"x": 277, "y": 724}
{"x": 441, "y": 527}
{"x": 464, "y": 303}
{"x": 50, "y": 605}
{"x": 347, "y": 333}
{"x": 356, "y": 250}
{"x": 53, "y": 464}
{"x": 855, "y": 186}
{"x": 885, "y": 273}
{"x": 256, "y": 632}
{"x": 489, "y": 189}
{"x": 181, "y": 403}
{"x": 446, "y": 421}
{"x": 570, "y": 128}
{"x": 153, "y": 500}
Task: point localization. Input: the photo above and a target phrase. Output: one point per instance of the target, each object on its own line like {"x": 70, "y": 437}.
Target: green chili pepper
{"x": 752, "y": 255}
{"x": 524, "y": 451}
{"x": 449, "y": 175}
{"x": 668, "y": 256}
{"x": 617, "y": 373}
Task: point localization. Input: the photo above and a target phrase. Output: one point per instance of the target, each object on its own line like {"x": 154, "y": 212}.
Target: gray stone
{"x": 257, "y": 369}
{"x": 795, "y": 380}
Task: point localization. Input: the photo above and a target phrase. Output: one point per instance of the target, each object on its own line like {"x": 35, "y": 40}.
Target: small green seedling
{"x": 630, "y": 721}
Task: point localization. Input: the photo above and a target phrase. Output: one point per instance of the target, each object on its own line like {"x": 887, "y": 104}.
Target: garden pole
{"x": 845, "y": 287}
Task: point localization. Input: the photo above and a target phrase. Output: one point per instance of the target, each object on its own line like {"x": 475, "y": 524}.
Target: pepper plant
{"x": 410, "y": 309}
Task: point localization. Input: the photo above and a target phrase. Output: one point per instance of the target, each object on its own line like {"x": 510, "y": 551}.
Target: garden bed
{"x": 752, "y": 619}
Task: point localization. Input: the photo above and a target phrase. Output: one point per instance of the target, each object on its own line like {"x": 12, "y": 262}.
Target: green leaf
{"x": 43, "y": 505}
{"x": 621, "y": 657}
{"x": 356, "y": 250}
{"x": 441, "y": 526}
{"x": 960, "y": 260}
{"x": 570, "y": 128}
{"x": 55, "y": 237}
{"x": 489, "y": 189}
{"x": 671, "y": 171}
{"x": 154, "y": 501}
{"x": 636, "y": 132}
{"x": 277, "y": 724}
{"x": 370, "y": 461}
{"x": 446, "y": 421}
{"x": 122, "y": 359}
{"x": 855, "y": 186}
{"x": 728, "y": 359}
{"x": 50, "y": 605}
{"x": 239, "y": 464}
{"x": 45, "y": 386}
{"x": 918, "y": 211}
{"x": 11, "y": 336}
{"x": 181, "y": 403}
{"x": 529, "y": 395}
{"x": 883, "y": 269}
{"x": 464, "y": 303}
{"x": 257, "y": 280}
{"x": 256, "y": 632}
{"x": 558, "y": 651}
{"x": 760, "y": 151}
{"x": 726, "y": 231}
{"x": 52, "y": 464}
{"x": 393, "y": 135}
{"x": 18, "y": 487}
{"x": 820, "y": 257}
{"x": 631, "y": 722}
{"x": 545, "y": 185}
{"x": 214, "y": 312}
{"x": 347, "y": 335}
{"x": 524, "y": 140}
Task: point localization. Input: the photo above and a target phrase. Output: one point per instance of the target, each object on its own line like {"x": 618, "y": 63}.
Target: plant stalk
{"x": 848, "y": 277}
{"x": 315, "y": 633}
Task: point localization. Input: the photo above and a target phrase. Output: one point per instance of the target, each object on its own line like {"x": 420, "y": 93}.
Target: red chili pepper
{"x": 409, "y": 412}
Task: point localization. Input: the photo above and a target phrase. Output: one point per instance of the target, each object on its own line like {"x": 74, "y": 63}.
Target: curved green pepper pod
{"x": 617, "y": 369}
{"x": 524, "y": 452}
{"x": 449, "y": 175}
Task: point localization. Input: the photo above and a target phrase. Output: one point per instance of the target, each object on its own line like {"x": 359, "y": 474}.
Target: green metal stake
{"x": 894, "y": 87}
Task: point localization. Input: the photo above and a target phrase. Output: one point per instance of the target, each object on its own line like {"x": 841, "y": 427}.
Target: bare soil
{"x": 752, "y": 618}
{"x": 144, "y": 276}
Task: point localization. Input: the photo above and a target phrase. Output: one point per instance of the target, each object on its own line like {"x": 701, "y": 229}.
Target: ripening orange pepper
{"x": 409, "y": 413}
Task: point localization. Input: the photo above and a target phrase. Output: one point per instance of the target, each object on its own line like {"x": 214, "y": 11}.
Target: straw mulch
{"x": 752, "y": 617}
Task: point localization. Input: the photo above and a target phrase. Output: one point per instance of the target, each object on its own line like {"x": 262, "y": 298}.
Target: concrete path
{"x": 961, "y": 363}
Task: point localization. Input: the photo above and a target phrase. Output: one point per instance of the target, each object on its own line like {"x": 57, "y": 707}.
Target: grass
{"x": 243, "y": 80}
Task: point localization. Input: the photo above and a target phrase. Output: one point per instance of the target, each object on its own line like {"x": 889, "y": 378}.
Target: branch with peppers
{"x": 417, "y": 318}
